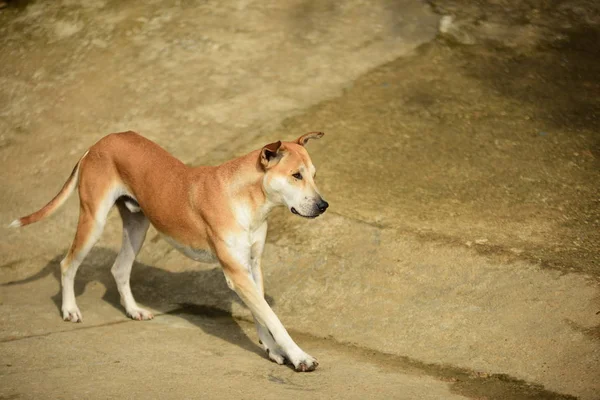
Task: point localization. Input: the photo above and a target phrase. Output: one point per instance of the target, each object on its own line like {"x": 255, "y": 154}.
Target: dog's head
{"x": 290, "y": 176}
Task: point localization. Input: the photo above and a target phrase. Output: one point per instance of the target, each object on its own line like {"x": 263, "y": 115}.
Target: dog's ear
{"x": 270, "y": 154}
{"x": 306, "y": 137}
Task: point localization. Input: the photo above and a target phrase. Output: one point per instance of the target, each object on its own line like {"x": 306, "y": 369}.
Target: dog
{"x": 209, "y": 213}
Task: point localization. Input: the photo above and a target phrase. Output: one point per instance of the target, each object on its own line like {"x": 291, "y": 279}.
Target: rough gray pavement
{"x": 460, "y": 253}
{"x": 171, "y": 357}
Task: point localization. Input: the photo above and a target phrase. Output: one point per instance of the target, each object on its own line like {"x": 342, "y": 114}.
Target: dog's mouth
{"x": 294, "y": 211}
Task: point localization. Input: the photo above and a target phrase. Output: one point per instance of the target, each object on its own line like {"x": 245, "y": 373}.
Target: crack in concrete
{"x": 45, "y": 334}
{"x": 464, "y": 381}
{"x": 209, "y": 311}
{"x": 483, "y": 249}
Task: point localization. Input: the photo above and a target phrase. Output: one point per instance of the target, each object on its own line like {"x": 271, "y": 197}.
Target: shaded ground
{"x": 195, "y": 349}
{"x": 461, "y": 250}
{"x": 492, "y": 148}
{"x": 539, "y": 64}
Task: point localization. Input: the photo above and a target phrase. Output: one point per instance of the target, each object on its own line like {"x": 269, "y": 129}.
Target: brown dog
{"x": 208, "y": 213}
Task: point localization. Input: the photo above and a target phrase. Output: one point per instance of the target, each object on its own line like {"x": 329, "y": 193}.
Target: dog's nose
{"x": 322, "y": 205}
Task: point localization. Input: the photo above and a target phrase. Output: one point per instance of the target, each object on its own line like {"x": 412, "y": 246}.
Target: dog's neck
{"x": 246, "y": 187}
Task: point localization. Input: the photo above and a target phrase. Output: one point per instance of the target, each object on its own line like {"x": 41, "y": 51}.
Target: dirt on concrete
{"x": 197, "y": 350}
{"x": 487, "y": 146}
{"x": 539, "y": 64}
{"x": 460, "y": 254}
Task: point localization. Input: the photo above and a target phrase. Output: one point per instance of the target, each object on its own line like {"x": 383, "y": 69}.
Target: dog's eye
{"x": 297, "y": 175}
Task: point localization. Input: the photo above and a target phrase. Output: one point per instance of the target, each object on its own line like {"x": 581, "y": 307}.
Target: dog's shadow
{"x": 199, "y": 296}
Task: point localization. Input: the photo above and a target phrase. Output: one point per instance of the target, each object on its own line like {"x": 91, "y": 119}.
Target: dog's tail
{"x": 55, "y": 203}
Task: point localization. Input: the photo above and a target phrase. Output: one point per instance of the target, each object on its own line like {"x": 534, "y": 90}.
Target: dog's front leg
{"x": 239, "y": 277}
{"x": 274, "y": 352}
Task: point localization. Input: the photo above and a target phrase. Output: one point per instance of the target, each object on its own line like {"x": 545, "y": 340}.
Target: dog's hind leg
{"x": 135, "y": 226}
{"x": 92, "y": 217}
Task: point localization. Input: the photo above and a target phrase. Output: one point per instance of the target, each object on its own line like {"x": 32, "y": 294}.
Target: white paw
{"x": 139, "y": 314}
{"x": 275, "y": 355}
{"x": 72, "y": 313}
{"x": 305, "y": 363}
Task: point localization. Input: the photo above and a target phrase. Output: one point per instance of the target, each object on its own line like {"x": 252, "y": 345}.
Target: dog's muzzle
{"x": 319, "y": 209}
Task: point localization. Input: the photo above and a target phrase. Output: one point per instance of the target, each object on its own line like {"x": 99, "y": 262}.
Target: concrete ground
{"x": 459, "y": 257}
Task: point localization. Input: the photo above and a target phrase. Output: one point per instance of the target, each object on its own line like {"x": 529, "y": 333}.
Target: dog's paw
{"x": 306, "y": 364}
{"x": 275, "y": 355}
{"x": 72, "y": 314}
{"x": 139, "y": 314}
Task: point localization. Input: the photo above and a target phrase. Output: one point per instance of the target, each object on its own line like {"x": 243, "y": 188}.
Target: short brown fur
{"x": 219, "y": 211}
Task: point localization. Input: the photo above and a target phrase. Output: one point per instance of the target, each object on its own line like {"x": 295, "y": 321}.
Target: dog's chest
{"x": 200, "y": 255}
